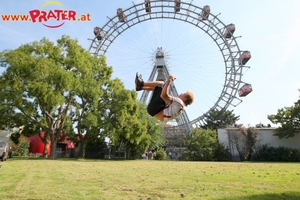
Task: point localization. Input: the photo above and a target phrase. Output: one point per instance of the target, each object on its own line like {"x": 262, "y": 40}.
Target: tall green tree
{"x": 44, "y": 80}
{"x": 216, "y": 119}
{"x": 289, "y": 120}
{"x": 127, "y": 130}
{"x": 89, "y": 107}
{"x": 156, "y": 131}
{"x": 127, "y": 122}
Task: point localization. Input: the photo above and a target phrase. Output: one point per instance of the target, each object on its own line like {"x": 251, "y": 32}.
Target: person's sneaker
{"x": 139, "y": 83}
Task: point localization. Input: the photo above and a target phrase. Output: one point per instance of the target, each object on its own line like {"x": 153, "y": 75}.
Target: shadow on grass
{"x": 273, "y": 196}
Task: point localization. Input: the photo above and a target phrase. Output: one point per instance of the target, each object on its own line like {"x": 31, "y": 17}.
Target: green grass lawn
{"x": 34, "y": 178}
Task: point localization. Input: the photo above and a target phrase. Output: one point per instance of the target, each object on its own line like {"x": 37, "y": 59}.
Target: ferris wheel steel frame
{"x": 189, "y": 13}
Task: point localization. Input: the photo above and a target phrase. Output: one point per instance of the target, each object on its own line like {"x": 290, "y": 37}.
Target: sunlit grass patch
{"x": 147, "y": 179}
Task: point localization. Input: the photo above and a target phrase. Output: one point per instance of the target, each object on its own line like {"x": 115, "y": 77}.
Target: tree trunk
{"x": 53, "y": 145}
{"x": 82, "y": 148}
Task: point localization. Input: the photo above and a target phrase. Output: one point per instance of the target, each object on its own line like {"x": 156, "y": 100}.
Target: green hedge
{"x": 277, "y": 154}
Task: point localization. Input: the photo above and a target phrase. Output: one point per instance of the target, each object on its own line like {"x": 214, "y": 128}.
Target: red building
{"x": 64, "y": 148}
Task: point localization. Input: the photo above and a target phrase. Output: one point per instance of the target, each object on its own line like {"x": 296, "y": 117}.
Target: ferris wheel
{"x": 161, "y": 37}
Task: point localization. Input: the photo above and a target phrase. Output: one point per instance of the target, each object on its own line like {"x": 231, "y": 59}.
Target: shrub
{"x": 221, "y": 153}
{"x": 277, "y": 154}
{"x": 22, "y": 148}
{"x": 160, "y": 155}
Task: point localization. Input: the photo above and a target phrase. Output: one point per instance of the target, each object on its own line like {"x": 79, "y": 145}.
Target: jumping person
{"x": 163, "y": 106}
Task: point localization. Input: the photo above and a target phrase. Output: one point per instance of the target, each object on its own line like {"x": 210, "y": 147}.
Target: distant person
{"x": 144, "y": 156}
{"x": 163, "y": 106}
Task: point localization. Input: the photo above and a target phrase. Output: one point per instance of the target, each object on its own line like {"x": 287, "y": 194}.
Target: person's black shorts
{"x": 157, "y": 103}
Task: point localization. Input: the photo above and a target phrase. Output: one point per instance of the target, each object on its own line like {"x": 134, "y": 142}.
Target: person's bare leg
{"x": 160, "y": 116}
{"x": 151, "y": 85}
{"x": 141, "y": 85}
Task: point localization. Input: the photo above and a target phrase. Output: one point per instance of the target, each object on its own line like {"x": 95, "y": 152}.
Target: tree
{"x": 156, "y": 131}
{"x": 63, "y": 88}
{"x": 289, "y": 119}
{"x": 127, "y": 122}
{"x": 89, "y": 107}
{"x": 245, "y": 141}
{"x": 7, "y": 112}
{"x": 42, "y": 82}
{"x": 200, "y": 144}
{"x": 215, "y": 119}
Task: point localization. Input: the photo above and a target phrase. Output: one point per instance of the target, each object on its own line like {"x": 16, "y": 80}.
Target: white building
{"x": 230, "y": 136}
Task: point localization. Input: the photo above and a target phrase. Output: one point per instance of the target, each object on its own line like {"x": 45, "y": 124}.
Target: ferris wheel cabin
{"x": 177, "y": 5}
{"x": 246, "y": 55}
{"x": 245, "y": 90}
{"x": 147, "y": 5}
{"x": 205, "y": 12}
{"x": 229, "y": 30}
{"x": 121, "y": 15}
{"x": 98, "y": 33}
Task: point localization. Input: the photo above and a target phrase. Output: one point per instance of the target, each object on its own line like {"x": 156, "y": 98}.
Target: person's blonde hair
{"x": 189, "y": 98}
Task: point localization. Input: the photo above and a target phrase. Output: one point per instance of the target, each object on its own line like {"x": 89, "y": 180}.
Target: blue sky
{"x": 268, "y": 29}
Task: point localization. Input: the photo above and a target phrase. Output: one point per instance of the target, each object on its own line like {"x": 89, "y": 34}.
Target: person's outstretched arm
{"x": 165, "y": 92}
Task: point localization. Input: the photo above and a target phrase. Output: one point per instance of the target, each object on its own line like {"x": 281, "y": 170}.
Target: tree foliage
{"x": 215, "y": 119}
{"x": 289, "y": 120}
{"x": 203, "y": 145}
{"x": 200, "y": 144}
{"x": 22, "y": 148}
{"x": 63, "y": 88}
{"x": 42, "y": 82}
{"x": 127, "y": 123}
